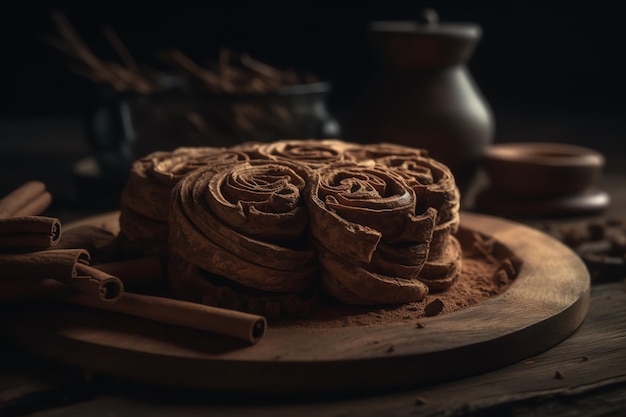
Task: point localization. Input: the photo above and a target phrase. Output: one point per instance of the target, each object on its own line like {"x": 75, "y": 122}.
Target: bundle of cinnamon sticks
{"x": 237, "y": 99}
{"x": 33, "y": 264}
{"x": 122, "y": 77}
{"x": 231, "y": 118}
{"x": 233, "y": 73}
{"x": 28, "y": 253}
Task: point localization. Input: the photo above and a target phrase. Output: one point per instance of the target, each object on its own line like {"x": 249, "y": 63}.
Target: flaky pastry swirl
{"x": 309, "y": 152}
{"x": 244, "y": 221}
{"x": 372, "y": 243}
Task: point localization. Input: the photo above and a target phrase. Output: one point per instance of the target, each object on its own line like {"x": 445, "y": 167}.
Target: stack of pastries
{"x": 270, "y": 228}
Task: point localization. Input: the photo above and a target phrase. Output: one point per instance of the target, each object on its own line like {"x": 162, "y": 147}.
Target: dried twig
{"x": 73, "y": 40}
{"x": 232, "y": 74}
{"x": 260, "y": 67}
{"x": 120, "y": 48}
{"x": 88, "y": 65}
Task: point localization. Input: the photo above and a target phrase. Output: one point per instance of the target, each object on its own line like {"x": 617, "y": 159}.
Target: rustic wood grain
{"x": 546, "y": 304}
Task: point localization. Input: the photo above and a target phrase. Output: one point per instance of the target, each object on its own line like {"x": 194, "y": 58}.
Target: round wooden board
{"x": 545, "y": 304}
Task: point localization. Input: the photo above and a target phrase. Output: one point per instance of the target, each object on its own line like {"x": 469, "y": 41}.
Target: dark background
{"x": 568, "y": 54}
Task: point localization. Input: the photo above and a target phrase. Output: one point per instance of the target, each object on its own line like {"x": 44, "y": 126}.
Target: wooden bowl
{"x": 536, "y": 169}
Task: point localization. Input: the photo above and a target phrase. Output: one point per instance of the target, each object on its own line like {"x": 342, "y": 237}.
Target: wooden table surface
{"x": 585, "y": 375}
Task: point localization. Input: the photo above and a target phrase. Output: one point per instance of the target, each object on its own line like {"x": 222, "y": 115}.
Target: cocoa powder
{"x": 476, "y": 284}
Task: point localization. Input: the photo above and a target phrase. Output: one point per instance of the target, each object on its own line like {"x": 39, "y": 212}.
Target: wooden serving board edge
{"x": 545, "y": 305}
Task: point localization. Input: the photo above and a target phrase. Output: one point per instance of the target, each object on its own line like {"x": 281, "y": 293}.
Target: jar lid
{"x": 428, "y": 24}
{"x": 424, "y": 43}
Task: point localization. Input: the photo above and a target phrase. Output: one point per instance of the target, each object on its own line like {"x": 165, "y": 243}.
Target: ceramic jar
{"x": 423, "y": 94}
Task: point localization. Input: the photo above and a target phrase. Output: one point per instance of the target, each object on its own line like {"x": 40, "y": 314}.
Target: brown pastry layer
{"x": 372, "y": 243}
{"x": 219, "y": 215}
{"x": 375, "y": 222}
{"x": 191, "y": 283}
{"x": 145, "y": 199}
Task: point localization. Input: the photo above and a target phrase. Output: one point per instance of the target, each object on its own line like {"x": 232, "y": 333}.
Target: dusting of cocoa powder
{"x": 481, "y": 279}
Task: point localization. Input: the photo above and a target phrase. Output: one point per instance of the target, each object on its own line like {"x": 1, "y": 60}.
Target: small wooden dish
{"x": 533, "y": 169}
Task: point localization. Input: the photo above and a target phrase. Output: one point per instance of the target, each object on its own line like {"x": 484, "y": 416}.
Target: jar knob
{"x": 428, "y": 17}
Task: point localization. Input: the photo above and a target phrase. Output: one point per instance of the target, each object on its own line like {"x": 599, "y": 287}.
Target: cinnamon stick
{"x": 260, "y": 67}
{"x": 17, "y": 289}
{"x": 93, "y": 281}
{"x": 75, "y": 44}
{"x": 30, "y": 199}
{"x": 120, "y": 48}
{"x": 90, "y": 66}
{"x": 95, "y": 239}
{"x": 30, "y": 232}
{"x": 59, "y": 264}
{"x": 68, "y": 266}
{"x": 233, "y": 323}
